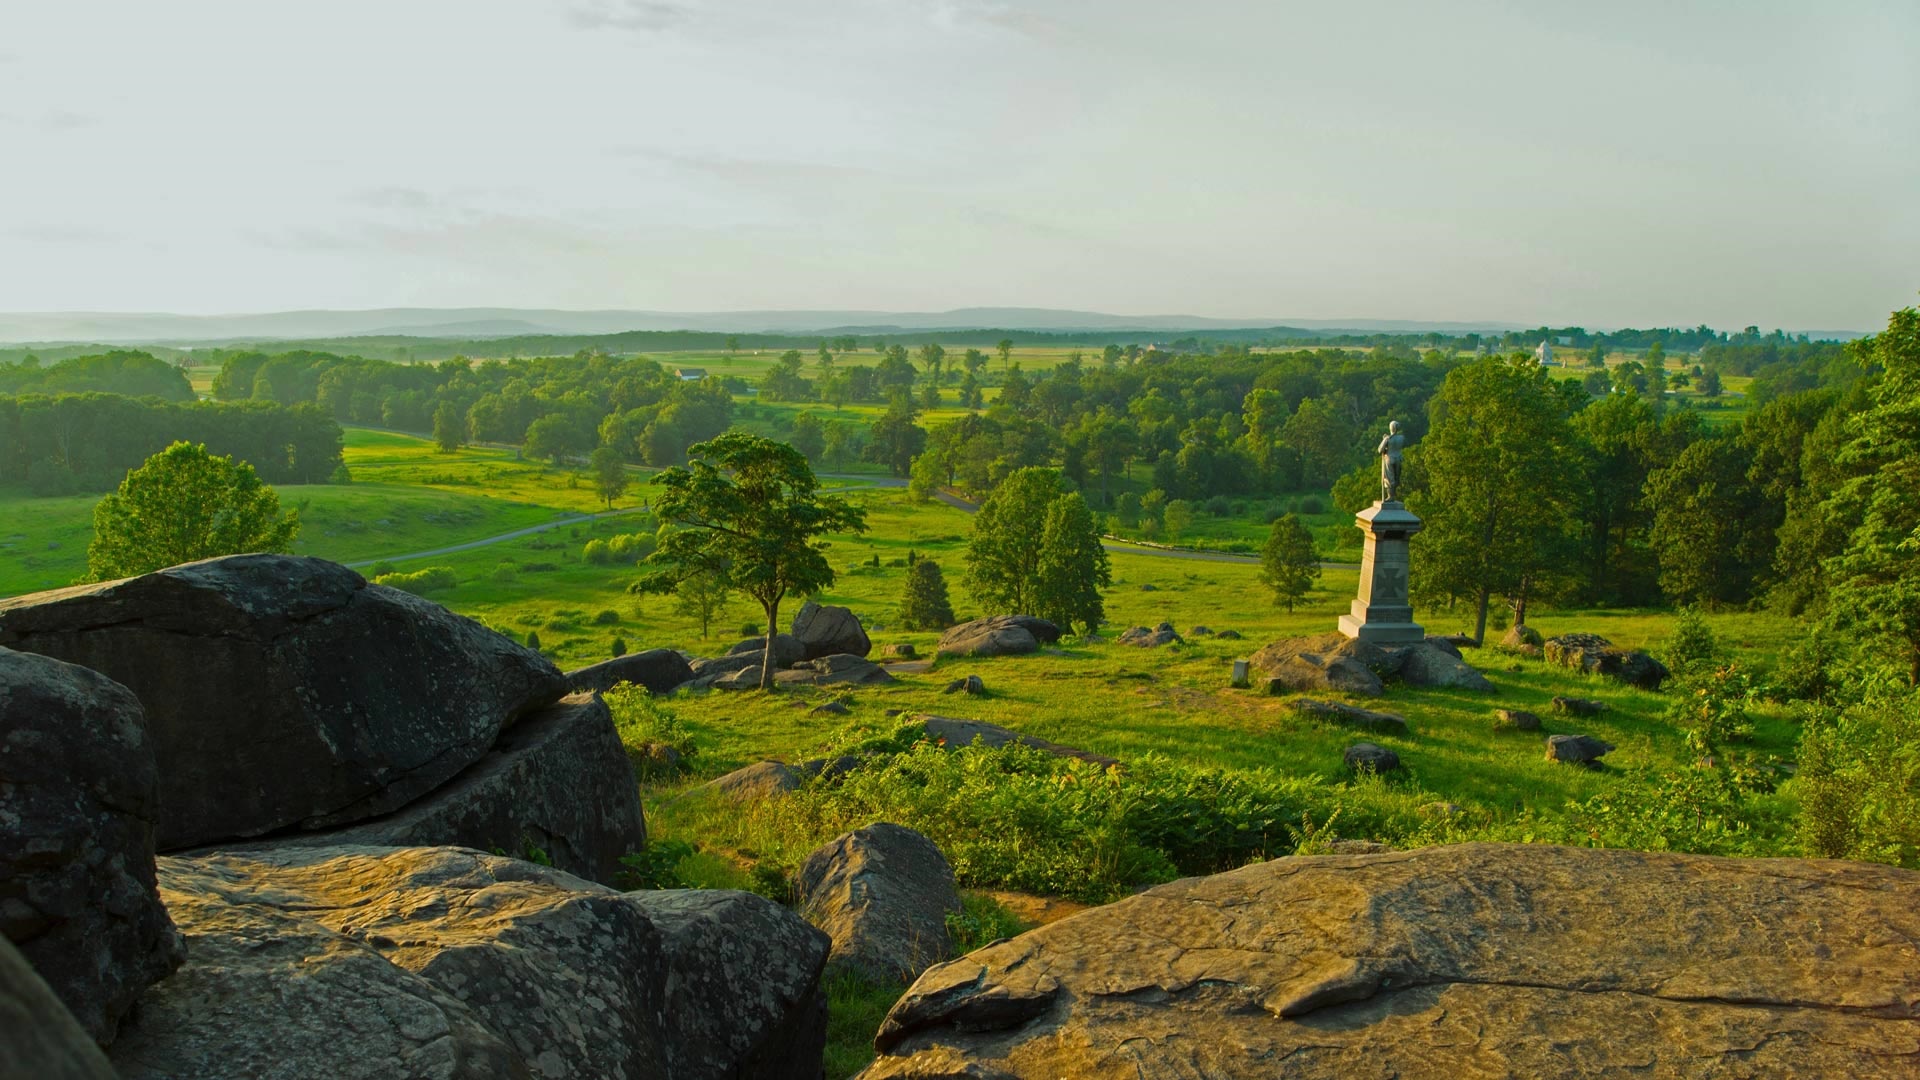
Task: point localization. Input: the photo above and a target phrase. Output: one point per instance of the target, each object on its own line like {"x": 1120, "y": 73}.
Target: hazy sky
{"x": 1602, "y": 163}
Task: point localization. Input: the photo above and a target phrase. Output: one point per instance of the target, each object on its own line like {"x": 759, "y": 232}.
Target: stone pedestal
{"x": 1382, "y": 611}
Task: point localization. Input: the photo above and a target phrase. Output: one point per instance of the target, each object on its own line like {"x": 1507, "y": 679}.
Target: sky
{"x": 1606, "y": 165}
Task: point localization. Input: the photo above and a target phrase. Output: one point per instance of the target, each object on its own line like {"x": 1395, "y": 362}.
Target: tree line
{"x": 87, "y": 442}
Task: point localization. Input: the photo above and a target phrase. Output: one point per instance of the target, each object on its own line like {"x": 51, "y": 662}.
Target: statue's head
{"x": 1393, "y": 427}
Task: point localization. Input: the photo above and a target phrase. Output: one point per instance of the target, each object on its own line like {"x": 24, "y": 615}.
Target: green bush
{"x": 381, "y": 569}
{"x": 504, "y": 572}
{"x": 1859, "y": 781}
{"x": 617, "y": 647}
{"x": 656, "y": 866}
{"x": 647, "y": 726}
{"x": 597, "y": 553}
{"x": 421, "y": 582}
{"x": 606, "y": 617}
{"x": 981, "y": 921}
{"x": 1691, "y": 649}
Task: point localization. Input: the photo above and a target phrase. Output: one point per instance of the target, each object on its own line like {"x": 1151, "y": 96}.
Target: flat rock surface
{"x": 445, "y": 962}
{"x": 285, "y": 692}
{"x": 1478, "y": 960}
{"x": 77, "y": 805}
{"x": 42, "y": 1039}
{"x": 558, "y": 781}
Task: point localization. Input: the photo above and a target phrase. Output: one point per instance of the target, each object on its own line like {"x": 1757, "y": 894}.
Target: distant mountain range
{"x": 118, "y": 327}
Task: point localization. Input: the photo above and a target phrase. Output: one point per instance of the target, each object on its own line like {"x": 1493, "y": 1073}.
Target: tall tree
{"x": 449, "y": 427}
{"x": 609, "y": 474}
{"x": 1493, "y": 480}
{"x": 748, "y": 509}
{"x": 1003, "y": 561}
{"x": 1711, "y": 530}
{"x": 925, "y": 605}
{"x": 1005, "y": 349}
{"x": 1288, "y": 564}
{"x": 1073, "y": 566}
{"x": 185, "y": 504}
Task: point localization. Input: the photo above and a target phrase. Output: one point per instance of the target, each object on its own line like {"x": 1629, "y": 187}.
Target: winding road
{"x": 955, "y": 501}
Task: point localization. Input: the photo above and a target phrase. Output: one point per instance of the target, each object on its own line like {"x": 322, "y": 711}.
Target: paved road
{"x": 576, "y": 519}
{"x": 954, "y": 501}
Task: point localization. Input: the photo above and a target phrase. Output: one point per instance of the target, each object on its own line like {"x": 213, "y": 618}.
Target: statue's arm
{"x": 1385, "y": 441}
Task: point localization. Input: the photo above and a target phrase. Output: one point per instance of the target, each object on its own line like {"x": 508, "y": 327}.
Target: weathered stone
{"x": 900, "y": 651}
{"x": 1448, "y": 643}
{"x": 1361, "y": 667}
{"x": 1200, "y": 631}
{"x": 830, "y": 708}
{"x": 1357, "y": 847}
{"x": 1367, "y": 757}
{"x": 442, "y": 962}
{"x": 972, "y": 685}
{"x": 1445, "y": 962}
{"x": 1577, "y": 749}
{"x": 287, "y": 692}
{"x": 997, "y": 635}
{"x": 1595, "y": 655}
{"x": 883, "y": 894}
{"x": 1349, "y": 716}
{"x": 1227, "y": 635}
{"x": 787, "y": 649}
{"x": 1425, "y": 664}
{"x": 761, "y": 780}
{"x": 1521, "y": 634}
{"x": 1515, "y": 720}
{"x": 829, "y": 768}
{"x": 956, "y": 733}
{"x": 1145, "y": 638}
{"x": 843, "y": 669}
{"x": 1574, "y": 706}
{"x": 77, "y": 804}
{"x": 827, "y": 630}
{"x": 659, "y": 670}
{"x": 1309, "y": 673}
{"x": 558, "y": 782}
{"x": 42, "y": 1039}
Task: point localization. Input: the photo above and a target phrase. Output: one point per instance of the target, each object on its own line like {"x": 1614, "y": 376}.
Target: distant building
{"x": 690, "y": 374}
{"x": 1545, "y": 352}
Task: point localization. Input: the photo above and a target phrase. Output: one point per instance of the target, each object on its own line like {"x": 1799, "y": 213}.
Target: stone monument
{"x": 1382, "y": 613}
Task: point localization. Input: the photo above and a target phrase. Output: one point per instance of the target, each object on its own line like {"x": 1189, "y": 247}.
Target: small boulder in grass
{"x": 972, "y": 685}
{"x": 1367, "y": 757}
{"x": 1515, "y": 720}
{"x": 831, "y": 708}
{"x": 1574, "y": 706}
{"x": 1577, "y": 749}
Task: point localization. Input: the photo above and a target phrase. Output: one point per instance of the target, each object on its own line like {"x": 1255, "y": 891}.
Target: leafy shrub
{"x": 1806, "y": 671}
{"x": 421, "y": 582}
{"x": 1313, "y": 504}
{"x": 1713, "y": 710}
{"x": 647, "y": 725}
{"x": 606, "y": 617}
{"x": 769, "y": 879}
{"x": 1692, "y": 648}
{"x": 381, "y": 569}
{"x": 597, "y": 553}
{"x": 617, "y": 647}
{"x": 533, "y": 640}
{"x": 1859, "y": 781}
{"x": 980, "y": 922}
{"x": 656, "y": 866}
{"x": 748, "y": 629}
{"x": 1218, "y": 506}
{"x": 504, "y": 572}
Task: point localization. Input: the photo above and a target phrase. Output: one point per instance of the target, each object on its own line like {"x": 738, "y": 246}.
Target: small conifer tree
{"x": 925, "y": 605}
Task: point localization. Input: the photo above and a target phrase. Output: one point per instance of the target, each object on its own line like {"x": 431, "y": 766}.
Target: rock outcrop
{"x": 883, "y": 894}
{"x": 1334, "y": 712}
{"x": 77, "y": 804}
{"x": 1336, "y": 662}
{"x": 997, "y": 635}
{"x": 558, "y": 783}
{"x": 1577, "y": 749}
{"x": 1149, "y": 637}
{"x": 956, "y": 733}
{"x": 1471, "y": 960}
{"x": 42, "y": 1039}
{"x": 972, "y": 685}
{"x": 287, "y": 692}
{"x": 438, "y": 962}
{"x": 1596, "y": 655}
{"x": 659, "y": 670}
{"x": 760, "y": 780}
{"x": 787, "y": 649}
{"x": 1368, "y": 757}
{"x": 824, "y": 630}
{"x": 1515, "y": 720}
{"x": 1521, "y": 635}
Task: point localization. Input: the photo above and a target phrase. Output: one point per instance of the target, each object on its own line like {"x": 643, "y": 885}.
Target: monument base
{"x": 1382, "y": 613}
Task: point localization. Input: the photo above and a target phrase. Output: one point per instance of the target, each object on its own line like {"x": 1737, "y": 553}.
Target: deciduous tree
{"x": 185, "y": 504}
{"x": 1288, "y": 564}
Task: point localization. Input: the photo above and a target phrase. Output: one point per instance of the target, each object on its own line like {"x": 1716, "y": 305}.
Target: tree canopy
{"x": 183, "y": 505}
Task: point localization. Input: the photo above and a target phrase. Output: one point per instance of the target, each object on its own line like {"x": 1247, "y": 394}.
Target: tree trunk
{"x": 766, "y": 653}
{"x": 1480, "y": 624}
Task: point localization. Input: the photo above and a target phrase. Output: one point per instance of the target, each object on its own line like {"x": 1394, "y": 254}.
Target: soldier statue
{"x": 1389, "y": 451}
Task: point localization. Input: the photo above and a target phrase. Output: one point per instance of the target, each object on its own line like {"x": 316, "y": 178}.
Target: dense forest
{"x": 135, "y": 374}
{"x": 88, "y": 441}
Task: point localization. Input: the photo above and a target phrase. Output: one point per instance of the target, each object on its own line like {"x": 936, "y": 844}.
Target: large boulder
{"x": 558, "y": 786}
{"x": 1347, "y": 665}
{"x": 825, "y": 630}
{"x": 285, "y": 692}
{"x": 1519, "y": 635}
{"x": 760, "y": 780}
{"x": 1144, "y": 637}
{"x": 1439, "y": 665}
{"x": 444, "y": 962}
{"x": 1469, "y": 960}
{"x": 1334, "y": 712}
{"x": 77, "y": 803}
{"x": 1596, "y": 655}
{"x": 1369, "y": 757}
{"x": 954, "y": 732}
{"x": 1577, "y": 749}
{"x": 787, "y": 649}
{"x": 43, "y": 1041}
{"x": 883, "y": 894}
{"x": 659, "y": 670}
{"x": 997, "y": 635}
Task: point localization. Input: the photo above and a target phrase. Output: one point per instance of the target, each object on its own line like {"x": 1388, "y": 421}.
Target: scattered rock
{"x": 1347, "y": 665}
{"x": 1349, "y": 716}
{"x": 1533, "y": 652}
{"x": 659, "y": 670}
{"x": 559, "y": 781}
{"x": 1200, "y": 631}
{"x": 1309, "y": 673}
{"x": 285, "y": 692}
{"x": 829, "y": 768}
{"x": 1574, "y": 706}
{"x": 1515, "y": 720}
{"x": 1577, "y": 749}
{"x": 1519, "y": 635}
{"x": 1149, "y": 587}
{"x": 1228, "y": 635}
{"x": 77, "y": 806}
{"x": 839, "y": 669}
{"x": 1448, "y": 961}
{"x": 956, "y": 733}
{"x": 830, "y": 708}
{"x": 444, "y": 962}
{"x": 883, "y": 894}
{"x": 824, "y": 630}
{"x": 1367, "y": 757}
{"x": 787, "y": 649}
{"x": 1595, "y": 655}
{"x": 43, "y": 1041}
{"x": 1149, "y": 639}
{"x": 901, "y": 651}
{"x": 1458, "y": 641}
{"x": 1429, "y": 664}
{"x": 972, "y": 685}
{"x": 997, "y": 635}
{"x": 761, "y": 780}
